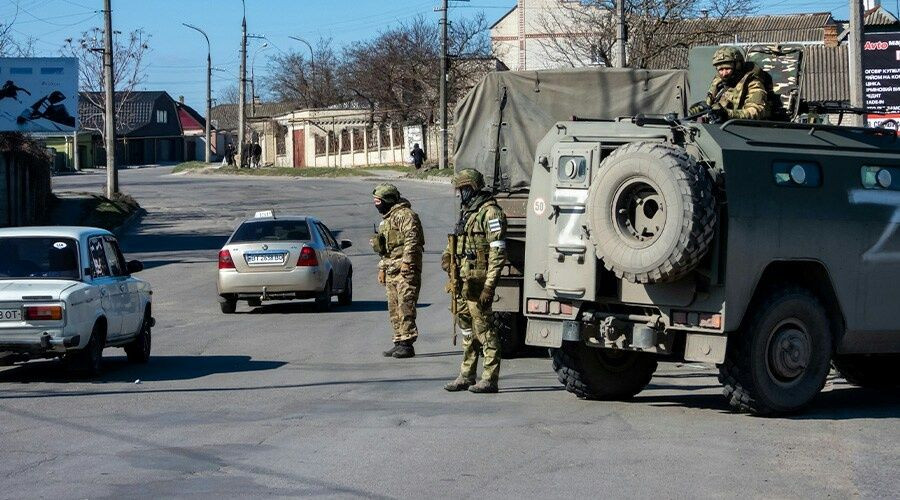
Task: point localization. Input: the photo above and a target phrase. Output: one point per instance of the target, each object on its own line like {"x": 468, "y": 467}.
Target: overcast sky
{"x": 178, "y": 55}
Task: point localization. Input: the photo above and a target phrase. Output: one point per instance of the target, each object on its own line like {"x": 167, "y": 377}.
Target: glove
{"x": 718, "y": 115}
{"x": 445, "y": 262}
{"x": 697, "y": 107}
{"x": 382, "y": 278}
{"x": 487, "y": 297}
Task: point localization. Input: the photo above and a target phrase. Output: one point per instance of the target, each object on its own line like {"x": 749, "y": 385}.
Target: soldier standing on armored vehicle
{"x": 480, "y": 247}
{"x": 400, "y": 242}
{"x": 739, "y": 91}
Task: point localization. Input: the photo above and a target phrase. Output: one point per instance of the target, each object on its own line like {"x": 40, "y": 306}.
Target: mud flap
{"x": 543, "y": 333}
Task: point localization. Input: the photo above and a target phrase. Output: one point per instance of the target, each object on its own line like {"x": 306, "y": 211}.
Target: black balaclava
{"x": 466, "y": 194}
{"x": 383, "y": 207}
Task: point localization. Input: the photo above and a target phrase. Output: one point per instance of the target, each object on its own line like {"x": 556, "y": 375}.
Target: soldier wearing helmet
{"x": 400, "y": 242}
{"x": 481, "y": 252}
{"x": 738, "y": 90}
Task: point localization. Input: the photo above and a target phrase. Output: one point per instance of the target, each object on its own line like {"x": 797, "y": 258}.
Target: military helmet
{"x": 468, "y": 177}
{"x": 728, "y": 57}
{"x": 387, "y": 193}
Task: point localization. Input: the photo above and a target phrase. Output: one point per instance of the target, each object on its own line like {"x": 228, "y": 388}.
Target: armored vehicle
{"x": 766, "y": 248}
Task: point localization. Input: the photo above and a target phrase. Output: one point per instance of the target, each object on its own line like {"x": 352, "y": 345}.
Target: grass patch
{"x": 190, "y": 165}
{"x": 90, "y": 209}
{"x": 290, "y": 172}
{"x": 430, "y": 172}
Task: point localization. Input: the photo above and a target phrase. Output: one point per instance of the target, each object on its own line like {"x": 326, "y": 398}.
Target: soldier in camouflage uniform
{"x": 481, "y": 252}
{"x": 739, "y": 90}
{"x": 400, "y": 242}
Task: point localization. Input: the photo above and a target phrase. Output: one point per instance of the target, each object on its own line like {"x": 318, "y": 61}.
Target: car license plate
{"x": 10, "y": 315}
{"x": 262, "y": 259}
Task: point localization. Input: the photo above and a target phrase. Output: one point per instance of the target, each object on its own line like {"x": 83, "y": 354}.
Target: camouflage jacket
{"x": 748, "y": 99}
{"x": 481, "y": 241}
{"x": 400, "y": 239}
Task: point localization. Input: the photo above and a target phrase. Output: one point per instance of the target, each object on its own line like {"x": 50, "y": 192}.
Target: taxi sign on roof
{"x": 264, "y": 214}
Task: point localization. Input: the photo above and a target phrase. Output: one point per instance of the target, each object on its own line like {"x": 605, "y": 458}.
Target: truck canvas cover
{"x": 511, "y": 111}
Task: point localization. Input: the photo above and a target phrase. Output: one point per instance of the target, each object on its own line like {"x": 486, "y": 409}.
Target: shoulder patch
{"x": 494, "y": 225}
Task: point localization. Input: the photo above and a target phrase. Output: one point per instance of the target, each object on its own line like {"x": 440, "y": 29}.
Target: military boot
{"x": 390, "y": 352}
{"x": 484, "y": 387}
{"x": 404, "y": 350}
{"x": 460, "y": 384}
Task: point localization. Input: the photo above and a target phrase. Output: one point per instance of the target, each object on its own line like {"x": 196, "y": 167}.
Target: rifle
{"x": 453, "y": 284}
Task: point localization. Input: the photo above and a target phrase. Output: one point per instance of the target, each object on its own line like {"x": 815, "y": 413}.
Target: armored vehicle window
{"x": 572, "y": 169}
{"x": 880, "y": 178}
{"x": 797, "y": 173}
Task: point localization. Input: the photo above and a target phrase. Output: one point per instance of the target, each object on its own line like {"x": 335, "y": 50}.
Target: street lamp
{"x": 208, "y": 88}
{"x": 312, "y": 59}
{"x": 253, "y": 78}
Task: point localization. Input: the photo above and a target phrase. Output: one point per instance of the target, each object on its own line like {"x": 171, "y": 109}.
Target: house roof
{"x": 826, "y": 74}
{"x": 504, "y": 16}
{"x": 137, "y": 106}
{"x": 225, "y": 116}
{"x": 189, "y": 118}
{"x": 879, "y": 16}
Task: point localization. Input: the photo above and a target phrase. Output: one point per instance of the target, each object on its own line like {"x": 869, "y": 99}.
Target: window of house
{"x": 162, "y": 116}
{"x": 359, "y": 139}
{"x": 345, "y": 141}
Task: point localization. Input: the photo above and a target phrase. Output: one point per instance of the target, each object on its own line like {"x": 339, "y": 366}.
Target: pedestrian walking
{"x": 480, "y": 249}
{"x": 400, "y": 242}
{"x": 256, "y": 154}
{"x": 418, "y": 156}
{"x": 229, "y": 154}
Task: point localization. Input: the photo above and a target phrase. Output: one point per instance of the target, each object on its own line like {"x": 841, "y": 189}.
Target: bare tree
{"x": 584, "y": 33}
{"x": 128, "y": 66}
{"x": 12, "y": 46}
{"x": 229, "y": 95}
{"x": 311, "y": 81}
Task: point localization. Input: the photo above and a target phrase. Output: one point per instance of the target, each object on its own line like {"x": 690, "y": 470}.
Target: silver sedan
{"x": 283, "y": 258}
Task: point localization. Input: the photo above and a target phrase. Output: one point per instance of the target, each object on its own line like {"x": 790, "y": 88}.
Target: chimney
{"x": 704, "y": 13}
{"x": 831, "y": 35}
{"x": 181, "y": 99}
{"x": 871, "y": 4}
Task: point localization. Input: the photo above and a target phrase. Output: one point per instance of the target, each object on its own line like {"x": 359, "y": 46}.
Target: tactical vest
{"x": 472, "y": 247}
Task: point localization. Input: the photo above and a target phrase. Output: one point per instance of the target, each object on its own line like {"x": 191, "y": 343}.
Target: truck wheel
{"x": 138, "y": 351}
{"x": 88, "y": 361}
{"x": 594, "y": 373}
{"x": 780, "y": 361}
{"x": 507, "y": 326}
{"x": 323, "y": 299}
{"x": 228, "y": 304}
{"x": 876, "y": 371}
{"x": 651, "y": 212}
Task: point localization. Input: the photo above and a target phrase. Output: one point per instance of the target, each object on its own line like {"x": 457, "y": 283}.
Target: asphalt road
{"x": 283, "y": 401}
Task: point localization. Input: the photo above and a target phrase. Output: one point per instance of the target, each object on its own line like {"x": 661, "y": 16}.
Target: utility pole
{"x": 857, "y": 83}
{"x": 620, "y": 33}
{"x": 243, "y": 87}
{"x": 442, "y": 157}
{"x": 208, "y": 87}
{"x": 112, "y": 175}
{"x": 253, "y": 78}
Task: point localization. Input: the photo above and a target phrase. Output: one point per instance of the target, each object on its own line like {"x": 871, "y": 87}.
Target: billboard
{"x": 38, "y": 94}
{"x": 881, "y": 66}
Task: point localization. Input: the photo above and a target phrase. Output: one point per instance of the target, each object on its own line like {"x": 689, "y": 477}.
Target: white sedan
{"x": 68, "y": 292}
{"x": 283, "y": 258}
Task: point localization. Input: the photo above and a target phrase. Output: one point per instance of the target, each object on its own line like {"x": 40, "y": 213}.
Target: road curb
{"x": 129, "y": 222}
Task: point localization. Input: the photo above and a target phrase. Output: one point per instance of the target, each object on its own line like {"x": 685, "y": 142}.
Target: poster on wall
{"x": 881, "y": 66}
{"x": 413, "y": 134}
{"x": 38, "y": 94}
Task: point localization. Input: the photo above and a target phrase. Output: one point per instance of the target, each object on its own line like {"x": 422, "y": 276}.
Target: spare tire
{"x": 651, "y": 212}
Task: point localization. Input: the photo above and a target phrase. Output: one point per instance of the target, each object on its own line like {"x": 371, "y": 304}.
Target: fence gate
{"x": 299, "y": 148}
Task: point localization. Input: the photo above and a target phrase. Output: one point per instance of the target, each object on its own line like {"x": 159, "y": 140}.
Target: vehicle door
{"x": 111, "y": 293}
{"x": 132, "y": 312}
{"x": 333, "y": 252}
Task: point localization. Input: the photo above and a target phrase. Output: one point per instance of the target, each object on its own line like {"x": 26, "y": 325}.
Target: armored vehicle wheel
{"x": 594, "y": 373}
{"x": 877, "y": 371}
{"x": 651, "y": 212}
{"x": 780, "y": 361}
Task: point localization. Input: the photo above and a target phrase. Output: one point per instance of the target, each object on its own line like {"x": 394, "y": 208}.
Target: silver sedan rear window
{"x": 271, "y": 230}
{"x": 38, "y": 257}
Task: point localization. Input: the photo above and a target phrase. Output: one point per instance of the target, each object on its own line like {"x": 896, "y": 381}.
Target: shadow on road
{"x": 146, "y": 242}
{"x": 838, "y": 404}
{"x": 438, "y": 354}
{"x": 159, "y": 368}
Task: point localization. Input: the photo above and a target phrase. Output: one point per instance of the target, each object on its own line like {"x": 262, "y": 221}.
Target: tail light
{"x": 225, "y": 260}
{"x": 307, "y": 258}
{"x": 43, "y": 313}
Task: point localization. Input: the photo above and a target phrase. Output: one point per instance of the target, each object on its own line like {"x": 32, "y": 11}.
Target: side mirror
{"x": 134, "y": 266}
{"x": 345, "y": 244}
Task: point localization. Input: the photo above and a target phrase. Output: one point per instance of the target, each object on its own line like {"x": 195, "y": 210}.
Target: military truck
{"x": 766, "y": 248}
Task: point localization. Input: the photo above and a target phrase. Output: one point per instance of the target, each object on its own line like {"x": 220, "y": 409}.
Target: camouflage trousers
{"x": 402, "y": 296}
{"x": 479, "y": 337}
